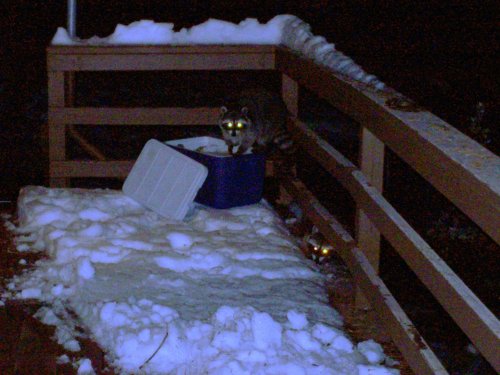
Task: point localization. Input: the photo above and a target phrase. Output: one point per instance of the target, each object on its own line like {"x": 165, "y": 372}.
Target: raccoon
{"x": 318, "y": 247}
{"x": 256, "y": 120}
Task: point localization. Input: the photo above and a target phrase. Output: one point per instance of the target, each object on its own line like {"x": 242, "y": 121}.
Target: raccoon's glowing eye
{"x": 324, "y": 251}
{"x": 316, "y": 248}
{"x": 229, "y": 124}
{"x": 239, "y": 125}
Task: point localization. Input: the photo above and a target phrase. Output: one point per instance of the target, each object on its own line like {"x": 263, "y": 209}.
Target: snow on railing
{"x": 288, "y": 30}
{"x": 297, "y": 36}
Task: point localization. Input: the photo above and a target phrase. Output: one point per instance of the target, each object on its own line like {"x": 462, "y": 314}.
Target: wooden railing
{"x": 64, "y": 62}
{"x": 463, "y": 171}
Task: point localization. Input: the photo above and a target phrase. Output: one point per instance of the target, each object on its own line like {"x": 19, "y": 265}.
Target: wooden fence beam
{"x": 140, "y": 58}
{"x": 78, "y": 168}
{"x": 471, "y": 315}
{"x": 135, "y": 116}
{"x": 461, "y": 169}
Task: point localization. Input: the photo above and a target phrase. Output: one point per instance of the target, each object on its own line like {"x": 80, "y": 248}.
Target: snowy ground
{"x": 223, "y": 292}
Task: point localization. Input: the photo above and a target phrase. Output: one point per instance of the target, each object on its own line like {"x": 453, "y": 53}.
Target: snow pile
{"x": 212, "y": 31}
{"x": 225, "y": 292}
{"x": 297, "y": 36}
{"x": 288, "y": 30}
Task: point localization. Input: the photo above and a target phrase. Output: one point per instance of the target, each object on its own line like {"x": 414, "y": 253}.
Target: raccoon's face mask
{"x": 233, "y": 125}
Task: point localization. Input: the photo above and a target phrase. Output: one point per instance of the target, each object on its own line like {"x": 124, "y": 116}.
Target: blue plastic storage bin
{"x": 232, "y": 181}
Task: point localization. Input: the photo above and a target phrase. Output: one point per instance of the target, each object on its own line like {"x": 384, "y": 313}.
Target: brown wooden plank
{"x": 74, "y": 168}
{"x": 147, "y": 62}
{"x": 56, "y": 89}
{"x": 56, "y": 130}
{"x": 462, "y": 170}
{"x": 290, "y": 93}
{"x": 404, "y": 334}
{"x": 371, "y": 163}
{"x": 473, "y": 317}
{"x": 70, "y": 88}
{"x": 468, "y": 311}
{"x": 160, "y": 49}
{"x": 135, "y": 116}
{"x": 368, "y": 235}
{"x": 57, "y": 151}
{"x": 57, "y": 141}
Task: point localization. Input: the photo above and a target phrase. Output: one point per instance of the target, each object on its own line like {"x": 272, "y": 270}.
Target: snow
{"x": 222, "y": 292}
{"x": 371, "y": 350}
{"x": 283, "y": 29}
{"x": 85, "y": 367}
{"x": 212, "y": 31}
{"x": 63, "y": 359}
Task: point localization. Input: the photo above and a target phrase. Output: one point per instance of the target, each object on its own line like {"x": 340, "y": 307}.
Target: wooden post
{"x": 57, "y": 133}
{"x": 290, "y": 95}
{"x": 371, "y": 163}
{"x": 70, "y": 84}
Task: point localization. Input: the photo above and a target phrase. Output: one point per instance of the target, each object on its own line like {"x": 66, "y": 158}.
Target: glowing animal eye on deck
{"x": 324, "y": 251}
{"x": 316, "y": 248}
{"x": 229, "y": 124}
{"x": 239, "y": 125}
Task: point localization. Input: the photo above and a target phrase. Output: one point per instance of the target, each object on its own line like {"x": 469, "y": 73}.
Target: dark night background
{"x": 442, "y": 54}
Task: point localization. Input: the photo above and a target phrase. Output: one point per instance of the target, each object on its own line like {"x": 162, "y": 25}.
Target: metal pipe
{"x": 72, "y": 18}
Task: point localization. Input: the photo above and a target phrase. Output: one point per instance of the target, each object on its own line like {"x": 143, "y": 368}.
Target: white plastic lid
{"x": 164, "y": 180}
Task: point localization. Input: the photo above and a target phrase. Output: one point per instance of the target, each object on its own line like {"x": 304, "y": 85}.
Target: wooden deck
{"x": 459, "y": 168}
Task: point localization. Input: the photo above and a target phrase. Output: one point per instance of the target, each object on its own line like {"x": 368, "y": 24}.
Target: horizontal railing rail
{"x": 472, "y": 316}
{"x": 137, "y": 58}
{"x": 134, "y": 116}
{"x": 461, "y": 169}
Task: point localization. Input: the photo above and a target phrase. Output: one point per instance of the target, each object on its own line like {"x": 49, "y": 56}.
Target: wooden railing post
{"x": 290, "y": 95}
{"x": 63, "y": 62}
{"x": 371, "y": 163}
{"x": 290, "y": 92}
{"x": 57, "y": 130}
